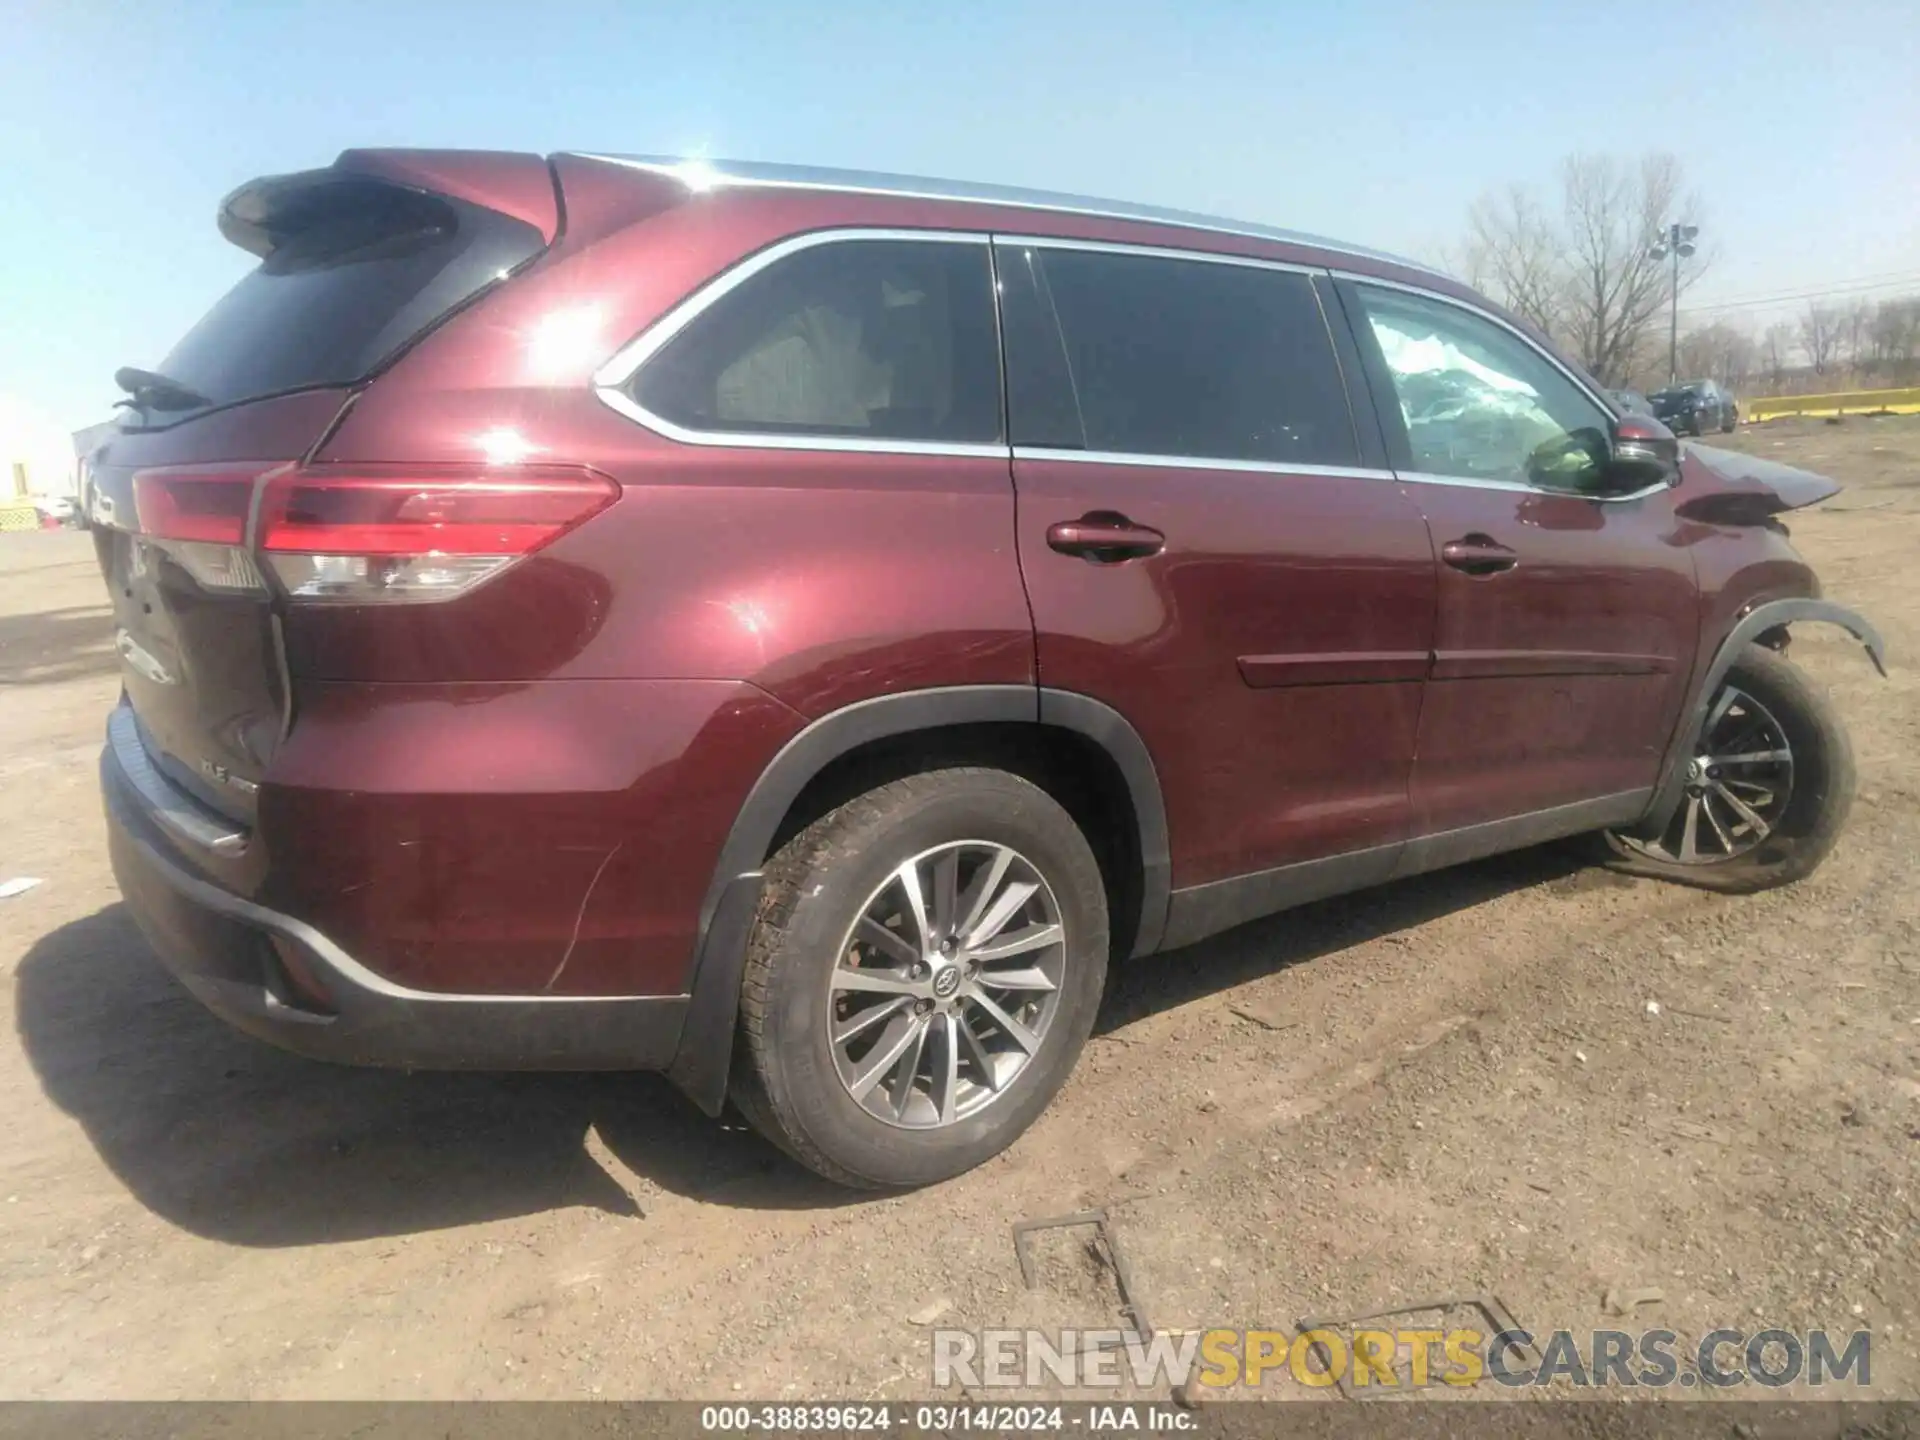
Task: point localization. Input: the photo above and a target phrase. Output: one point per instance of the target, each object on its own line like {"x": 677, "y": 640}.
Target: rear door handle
{"x": 1478, "y": 555}
{"x": 1105, "y": 538}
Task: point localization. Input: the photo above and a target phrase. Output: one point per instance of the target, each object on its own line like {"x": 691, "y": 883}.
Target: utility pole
{"x": 1676, "y": 240}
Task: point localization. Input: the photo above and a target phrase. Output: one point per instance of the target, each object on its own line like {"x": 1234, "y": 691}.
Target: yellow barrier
{"x": 19, "y": 516}
{"x": 1842, "y": 402}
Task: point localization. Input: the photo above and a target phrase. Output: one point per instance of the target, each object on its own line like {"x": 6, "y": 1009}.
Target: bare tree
{"x": 1776, "y": 350}
{"x": 1586, "y": 274}
{"x": 1512, "y": 251}
{"x": 1613, "y": 219}
{"x": 1738, "y": 357}
{"x": 1893, "y": 336}
{"x": 1883, "y": 333}
{"x": 1696, "y": 352}
{"x": 1856, "y": 328}
{"x": 1820, "y": 335}
{"x": 1908, "y": 347}
{"x": 1720, "y": 351}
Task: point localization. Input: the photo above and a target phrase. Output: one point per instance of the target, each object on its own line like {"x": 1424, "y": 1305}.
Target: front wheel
{"x": 1769, "y": 784}
{"x": 923, "y": 972}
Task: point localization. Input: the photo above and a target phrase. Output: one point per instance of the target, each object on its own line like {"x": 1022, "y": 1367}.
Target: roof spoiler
{"x": 260, "y": 215}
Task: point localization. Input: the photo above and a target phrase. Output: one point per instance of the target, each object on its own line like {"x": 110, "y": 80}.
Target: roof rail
{"x": 701, "y": 176}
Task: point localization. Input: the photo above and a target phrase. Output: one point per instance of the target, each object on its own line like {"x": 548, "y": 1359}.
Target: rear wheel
{"x": 1769, "y": 784}
{"x": 924, "y": 970}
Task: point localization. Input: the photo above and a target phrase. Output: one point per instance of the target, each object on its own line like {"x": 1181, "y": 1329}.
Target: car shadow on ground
{"x": 49, "y": 646}
{"x": 237, "y": 1141}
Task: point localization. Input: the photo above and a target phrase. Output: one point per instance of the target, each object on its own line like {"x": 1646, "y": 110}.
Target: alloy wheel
{"x": 946, "y": 984}
{"x": 1739, "y": 783}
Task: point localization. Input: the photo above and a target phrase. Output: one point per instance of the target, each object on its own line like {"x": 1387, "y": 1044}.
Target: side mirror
{"x": 1574, "y": 463}
{"x": 1645, "y": 453}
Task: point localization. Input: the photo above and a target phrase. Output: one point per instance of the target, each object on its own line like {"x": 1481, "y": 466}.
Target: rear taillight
{"x": 373, "y": 534}
{"x": 198, "y": 515}
{"x": 205, "y": 503}
{"x": 362, "y": 534}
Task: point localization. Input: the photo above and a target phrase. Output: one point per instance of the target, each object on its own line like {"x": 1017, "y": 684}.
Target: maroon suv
{"x": 794, "y": 629}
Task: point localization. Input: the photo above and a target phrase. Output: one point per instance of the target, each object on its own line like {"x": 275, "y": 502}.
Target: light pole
{"x": 1676, "y": 240}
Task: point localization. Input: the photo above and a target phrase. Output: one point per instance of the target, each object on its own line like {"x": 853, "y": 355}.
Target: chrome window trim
{"x": 1197, "y": 462}
{"x": 1156, "y": 252}
{"x": 611, "y": 377}
{"x": 1518, "y": 487}
{"x": 1269, "y": 467}
{"x": 1639, "y": 494}
{"x": 753, "y": 440}
{"x": 701, "y": 176}
{"x": 1420, "y": 477}
{"x": 610, "y": 380}
{"x": 1469, "y": 482}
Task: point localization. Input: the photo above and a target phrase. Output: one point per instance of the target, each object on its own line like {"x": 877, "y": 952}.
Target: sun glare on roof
{"x": 698, "y": 176}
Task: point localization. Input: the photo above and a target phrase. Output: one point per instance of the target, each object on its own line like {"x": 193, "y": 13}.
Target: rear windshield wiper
{"x": 153, "y": 391}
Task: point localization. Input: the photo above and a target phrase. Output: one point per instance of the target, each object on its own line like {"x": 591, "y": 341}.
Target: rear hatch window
{"x": 352, "y": 269}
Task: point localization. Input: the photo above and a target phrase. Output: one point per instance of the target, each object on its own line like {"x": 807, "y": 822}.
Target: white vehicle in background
{"x": 37, "y": 466}
{"x": 62, "y": 510}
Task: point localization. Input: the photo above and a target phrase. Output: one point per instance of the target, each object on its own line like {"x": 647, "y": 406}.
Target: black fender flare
{"x": 1771, "y": 615}
{"x": 704, "y": 1055}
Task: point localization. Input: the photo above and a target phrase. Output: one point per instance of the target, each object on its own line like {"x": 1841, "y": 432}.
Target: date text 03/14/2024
{"x": 943, "y": 1418}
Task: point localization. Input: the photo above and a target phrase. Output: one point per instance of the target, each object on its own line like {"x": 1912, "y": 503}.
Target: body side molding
{"x": 1202, "y": 910}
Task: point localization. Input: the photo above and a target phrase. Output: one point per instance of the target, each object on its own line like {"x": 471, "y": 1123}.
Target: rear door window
{"x": 1152, "y": 355}
{"x": 358, "y": 270}
{"x": 866, "y": 340}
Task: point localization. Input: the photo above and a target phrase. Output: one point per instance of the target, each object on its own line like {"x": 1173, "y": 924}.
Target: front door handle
{"x": 1478, "y": 555}
{"x": 1105, "y": 538}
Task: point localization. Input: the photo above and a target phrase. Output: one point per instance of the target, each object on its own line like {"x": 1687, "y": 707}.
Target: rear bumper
{"x": 283, "y": 981}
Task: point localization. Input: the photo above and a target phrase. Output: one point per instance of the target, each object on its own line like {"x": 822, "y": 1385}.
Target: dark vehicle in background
{"x": 1696, "y": 408}
{"x": 1631, "y": 402}
{"x": 575, "y": 613}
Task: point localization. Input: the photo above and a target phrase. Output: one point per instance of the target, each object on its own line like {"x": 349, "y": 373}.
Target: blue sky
{"x": 122, "y": 125}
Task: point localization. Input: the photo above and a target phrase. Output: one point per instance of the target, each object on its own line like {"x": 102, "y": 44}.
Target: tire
{"x": 788, "y": 1070}
{"x": 1816, "y": 808}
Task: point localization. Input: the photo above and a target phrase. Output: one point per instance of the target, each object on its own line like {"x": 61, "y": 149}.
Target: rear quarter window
{"x": 869, "y": 340}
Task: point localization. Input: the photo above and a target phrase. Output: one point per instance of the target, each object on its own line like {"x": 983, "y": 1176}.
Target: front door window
{"x": 1479, "y": 403}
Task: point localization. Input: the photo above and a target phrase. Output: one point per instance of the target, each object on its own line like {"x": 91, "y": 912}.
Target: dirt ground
{"x": 1447, "y": 1087}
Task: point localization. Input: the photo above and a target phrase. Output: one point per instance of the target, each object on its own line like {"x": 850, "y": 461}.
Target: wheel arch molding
{"x": 1770, "y": 615}
{"x": 703, "y": 1058}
